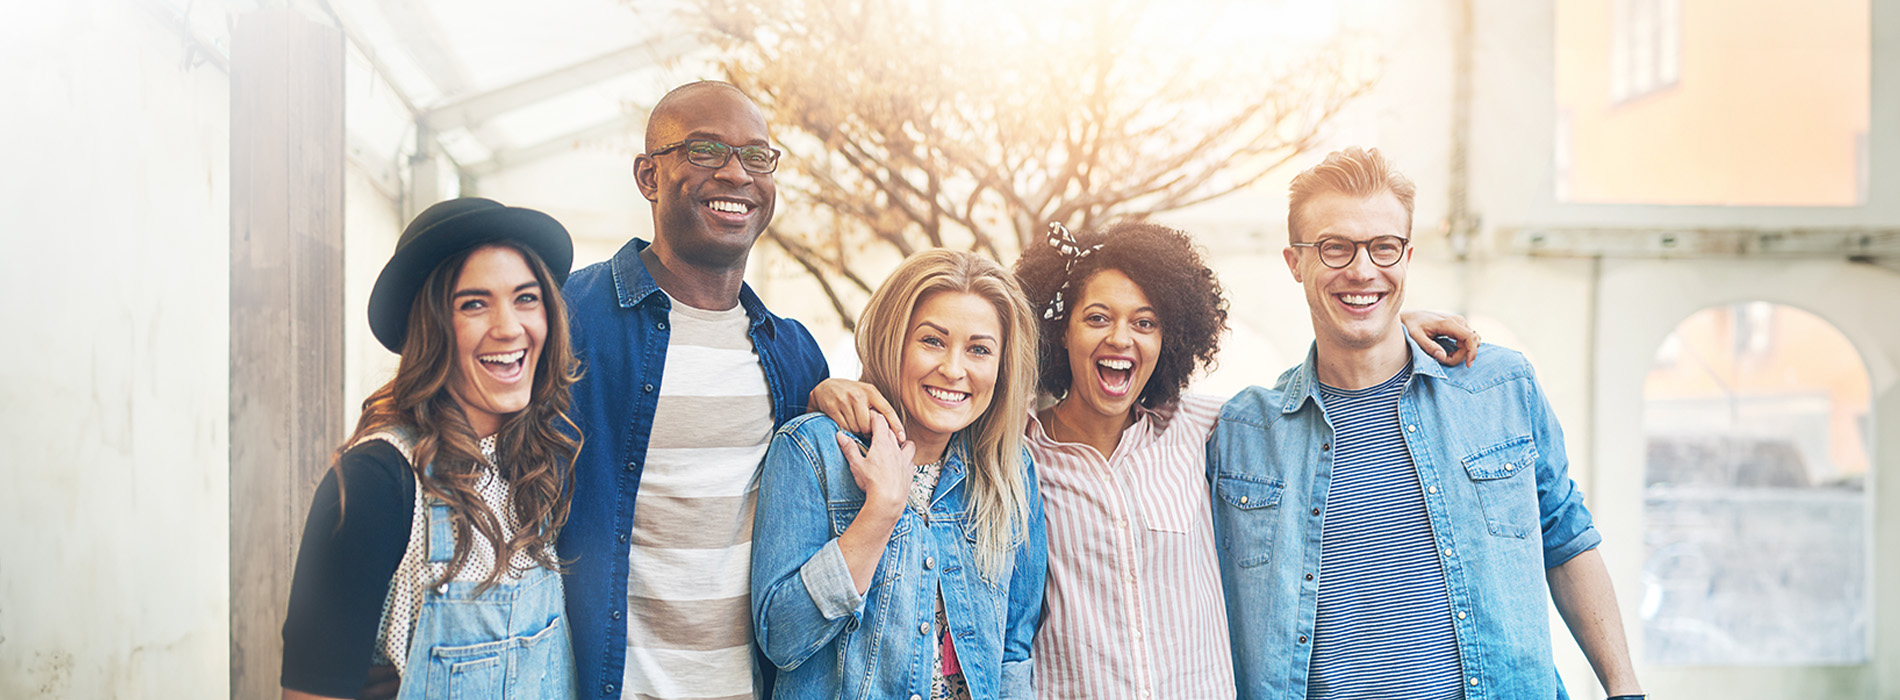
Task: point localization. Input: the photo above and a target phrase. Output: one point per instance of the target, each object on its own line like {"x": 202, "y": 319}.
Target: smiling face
{"x": 1113, "y": 339}
{"x": 1355, "y": 307}
{"x": 709, "y": 216}
{"x": 499, "y": 325}
{"x": 952, "y": 349}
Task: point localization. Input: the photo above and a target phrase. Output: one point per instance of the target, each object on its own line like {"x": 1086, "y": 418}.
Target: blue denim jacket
{"x": 1490, "y": 458}
{"x": 833, "y": 643}
{"x": 620, "y": 334}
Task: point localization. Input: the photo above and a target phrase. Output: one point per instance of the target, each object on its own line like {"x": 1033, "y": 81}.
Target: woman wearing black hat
{"x": 430, "y": 544}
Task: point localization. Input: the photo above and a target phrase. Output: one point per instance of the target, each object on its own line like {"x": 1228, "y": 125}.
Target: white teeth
{"x": 1116, "y": 364}
{"x": 506, "y": 358}
{"x": 728, "y": 207}
{"x": 1359, "y": 299}
{"x": 945, "y": 395}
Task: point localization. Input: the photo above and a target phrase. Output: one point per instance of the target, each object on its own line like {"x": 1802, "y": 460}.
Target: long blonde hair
{"x": 998, "y": 482}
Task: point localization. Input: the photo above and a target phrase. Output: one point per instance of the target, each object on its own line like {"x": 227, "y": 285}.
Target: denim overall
{"x": 510, "y": 642}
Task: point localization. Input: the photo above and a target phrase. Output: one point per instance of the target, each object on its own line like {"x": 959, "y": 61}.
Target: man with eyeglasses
{"x": 687, "y": 374}
{"x": 1386, "y": 526}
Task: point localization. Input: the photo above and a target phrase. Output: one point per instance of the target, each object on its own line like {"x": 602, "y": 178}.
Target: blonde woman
{"x": 911, "y": 568}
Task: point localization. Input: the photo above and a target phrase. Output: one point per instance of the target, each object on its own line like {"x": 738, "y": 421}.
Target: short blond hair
{"x": 1351, "y": 171}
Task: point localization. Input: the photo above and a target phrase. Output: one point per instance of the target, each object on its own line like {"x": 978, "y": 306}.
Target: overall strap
{"x": 441, "y": 531}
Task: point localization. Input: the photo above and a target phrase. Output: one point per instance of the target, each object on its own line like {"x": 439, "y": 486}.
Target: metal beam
{"x": 1880, "y": 245}
{"x": 473, "y": 111}
{"x": 515, "y": 157}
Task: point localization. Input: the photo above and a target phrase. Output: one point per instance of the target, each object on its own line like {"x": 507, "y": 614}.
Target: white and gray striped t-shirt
{"x": 689, "y": 613}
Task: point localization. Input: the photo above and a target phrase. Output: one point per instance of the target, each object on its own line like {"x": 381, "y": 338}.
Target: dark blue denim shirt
{"x": 620, "y": 334}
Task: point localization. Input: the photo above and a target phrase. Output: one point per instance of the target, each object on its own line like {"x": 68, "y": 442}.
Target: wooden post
{"x": 287, "y": 167}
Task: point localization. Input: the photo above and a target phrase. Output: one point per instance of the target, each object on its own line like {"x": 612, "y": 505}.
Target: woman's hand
{"x": 851, "y": 404}
{"x": 883, "y": 471}
{"x": 1426, "y": 325}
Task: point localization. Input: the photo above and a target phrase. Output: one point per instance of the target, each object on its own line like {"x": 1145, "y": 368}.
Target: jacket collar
{"x": 1302, "y": 382}
{"x": 634, "y": 286}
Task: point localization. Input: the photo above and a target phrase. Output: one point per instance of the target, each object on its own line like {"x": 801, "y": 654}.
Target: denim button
{"x": 661, "y": 325}
{"x": 1309, "y": 577}
{"x": 623, "y": 538}
{"x": 1325, "y": 446}
{"x": 1316, "y": 511}
{"x": 630, "y": 466}
{"x": 648, "y": 388}
{"x": 1302, "y": 639}
{"x": 607, "y": 689}
{"x": 923, "y": 628}
{"x": 615, "y": 614}
{"x": 930, "y": 562}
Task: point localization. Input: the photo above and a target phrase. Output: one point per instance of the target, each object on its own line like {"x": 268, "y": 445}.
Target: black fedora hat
{"x": 447, "y": 228}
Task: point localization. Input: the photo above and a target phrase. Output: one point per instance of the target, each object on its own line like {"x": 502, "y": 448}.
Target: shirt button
{"x": 1433, "y": 489}
{"x": 915, "y": 696}
{"x": 1121, "y": 524}
{"x": 1243, "y": 500}
{"x": 661, "y": 325}
{"x": 923, "y": 628}
{"x": 1461, "y": 614}
{"x": 442, "y": 589}
{"x": 623, "y": 538}
{"x": 930, "y": 562}
{"x": 1316, "y": 511}
{"x": 1414, "y": 429}
{"x": 1302, "y": 639}
{"x": 647, "y": 388}
{"x": 615, "y": 614}
{"x": 1448, "y": 551}
{"x": 1309, "y": 577}
{"x": 1474, "y": 681}
{"x": 1509, "y": 466}
{"x": 1325, "y": 446}
{"x": 607, "y": 689}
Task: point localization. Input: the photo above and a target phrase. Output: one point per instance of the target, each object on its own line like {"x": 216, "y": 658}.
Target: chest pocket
{"x": 1504, "y": 475}
{"x": 841, "y": 517}
{"x": 1253, "y": 516}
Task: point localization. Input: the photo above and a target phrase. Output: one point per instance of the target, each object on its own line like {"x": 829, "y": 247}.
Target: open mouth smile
{"x": 1115, "y": 374}
{"x": 946, "y": 396}
{"x": 505, "y": 366}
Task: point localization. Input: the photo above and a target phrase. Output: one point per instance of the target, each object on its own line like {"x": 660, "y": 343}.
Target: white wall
{"x": 113, "y": 412}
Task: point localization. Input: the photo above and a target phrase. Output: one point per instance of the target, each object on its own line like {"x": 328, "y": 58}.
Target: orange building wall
{"x": 1770, "y": 102}
{"x": 1806, "y": 355}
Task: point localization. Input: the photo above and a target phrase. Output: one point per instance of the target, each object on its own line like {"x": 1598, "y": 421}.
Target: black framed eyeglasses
{"x": 1384, "y": 251}
{"x": 707, "y": 153}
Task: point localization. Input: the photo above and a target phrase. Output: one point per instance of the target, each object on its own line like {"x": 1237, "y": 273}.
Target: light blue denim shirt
{"x": 1490, "y": 459}
{"x": 831, "y": 642}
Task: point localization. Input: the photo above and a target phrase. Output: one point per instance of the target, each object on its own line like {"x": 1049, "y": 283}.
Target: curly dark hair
{"x": 1167, "y": 266}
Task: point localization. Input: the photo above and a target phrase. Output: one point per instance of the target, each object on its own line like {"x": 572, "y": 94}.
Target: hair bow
{"x": 1071, "y": 252}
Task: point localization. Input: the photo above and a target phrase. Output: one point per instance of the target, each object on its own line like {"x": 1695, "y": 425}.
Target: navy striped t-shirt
{"x": 1384, "y": 628}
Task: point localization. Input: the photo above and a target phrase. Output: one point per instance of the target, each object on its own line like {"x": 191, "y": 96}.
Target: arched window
{"x": 1756, "y": 504}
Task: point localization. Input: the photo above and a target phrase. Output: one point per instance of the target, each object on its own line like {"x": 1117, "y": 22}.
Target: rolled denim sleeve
{"x": 802, "y": 594}
{"x": 1025, "y": 598}
{"x": 1568, "y": 529}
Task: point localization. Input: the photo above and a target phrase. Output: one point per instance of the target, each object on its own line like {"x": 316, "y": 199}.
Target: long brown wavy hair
{"x": 535, "y": 455}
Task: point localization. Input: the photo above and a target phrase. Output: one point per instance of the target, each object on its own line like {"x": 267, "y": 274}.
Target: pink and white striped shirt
{"x": 1133, "y": 605}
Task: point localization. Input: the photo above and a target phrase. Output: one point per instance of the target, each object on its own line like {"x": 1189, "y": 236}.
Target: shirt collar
{"x": 1303, "y": 381}
{"x": 634, "y": 286}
